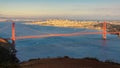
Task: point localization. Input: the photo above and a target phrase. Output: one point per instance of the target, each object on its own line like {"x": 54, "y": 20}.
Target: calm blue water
{"x": 73, "y": 46}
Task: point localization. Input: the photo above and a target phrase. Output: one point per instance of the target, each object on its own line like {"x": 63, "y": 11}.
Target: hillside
{"x": 7, "y": 57}
{"x": 67, "y": 62}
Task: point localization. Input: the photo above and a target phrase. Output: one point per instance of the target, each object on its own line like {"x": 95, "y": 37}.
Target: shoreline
{"x": 64, "y": 27}
{"x": 94, "y": 25}
{"x": 67, "y": 24}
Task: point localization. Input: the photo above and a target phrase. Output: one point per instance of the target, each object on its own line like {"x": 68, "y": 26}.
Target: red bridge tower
{"x": 13, "y": 34}
{"x": 104, "y": 30}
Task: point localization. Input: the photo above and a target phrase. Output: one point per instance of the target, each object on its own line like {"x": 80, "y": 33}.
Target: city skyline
{"x": 36, "y": 8}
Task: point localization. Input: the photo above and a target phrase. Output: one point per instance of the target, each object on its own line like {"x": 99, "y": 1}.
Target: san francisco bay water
{"x": 74, "y": 46}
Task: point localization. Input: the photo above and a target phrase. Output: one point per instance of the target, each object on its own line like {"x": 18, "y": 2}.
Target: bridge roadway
{"x": 67, "y": 34}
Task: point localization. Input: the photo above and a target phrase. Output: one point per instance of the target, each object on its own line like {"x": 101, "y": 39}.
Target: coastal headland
{"x": 66, "y": 62}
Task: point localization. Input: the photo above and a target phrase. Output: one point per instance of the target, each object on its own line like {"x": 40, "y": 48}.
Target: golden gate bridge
{"x": 103, "y": 32}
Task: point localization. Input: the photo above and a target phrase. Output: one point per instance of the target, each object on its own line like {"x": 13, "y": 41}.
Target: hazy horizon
{"x": 98, "y": 9}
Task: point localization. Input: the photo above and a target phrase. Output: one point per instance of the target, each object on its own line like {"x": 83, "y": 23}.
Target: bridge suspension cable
{"x": 14, "y": 37}
{"x": 36, "y": 31}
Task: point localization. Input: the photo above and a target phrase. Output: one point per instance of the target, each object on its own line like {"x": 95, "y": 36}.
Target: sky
{"x": 93, "y": 8}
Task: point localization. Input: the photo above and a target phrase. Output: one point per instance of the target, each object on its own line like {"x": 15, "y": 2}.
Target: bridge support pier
{"x": 104, "y": 31}
{"x": 119, "y": 34}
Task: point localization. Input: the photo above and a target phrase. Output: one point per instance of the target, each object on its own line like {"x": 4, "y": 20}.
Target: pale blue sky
{"x": 60, "y": 7}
